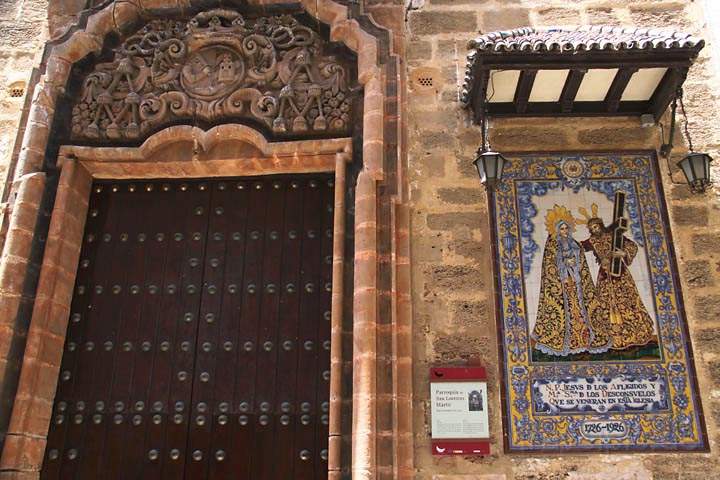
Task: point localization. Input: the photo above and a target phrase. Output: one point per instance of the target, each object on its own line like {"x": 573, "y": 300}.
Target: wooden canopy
{"x": 587, "y": 70}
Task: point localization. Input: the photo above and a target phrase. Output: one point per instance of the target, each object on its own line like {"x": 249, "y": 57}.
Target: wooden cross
{"x": 620, "y": 226}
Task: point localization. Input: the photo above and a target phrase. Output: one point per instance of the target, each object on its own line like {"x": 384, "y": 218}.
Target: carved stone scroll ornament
{"x": 217, "y": 65}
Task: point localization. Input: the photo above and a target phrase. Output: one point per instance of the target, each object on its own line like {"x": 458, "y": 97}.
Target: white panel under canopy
{"x": 595, "y": 84}
{"x": 642, "y": 84}
{"x": 548, "y": 85}
{"x": 502, "y": 85}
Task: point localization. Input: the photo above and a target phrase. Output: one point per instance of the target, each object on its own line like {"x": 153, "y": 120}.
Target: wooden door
{"x": 198, "y": 344}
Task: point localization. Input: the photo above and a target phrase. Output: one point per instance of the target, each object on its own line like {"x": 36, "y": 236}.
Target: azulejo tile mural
{"x": 594, "y": 341}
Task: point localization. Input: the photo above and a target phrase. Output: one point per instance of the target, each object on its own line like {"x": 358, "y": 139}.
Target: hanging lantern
{"x": 696, "y": 167}
{"x": 490, "y": 167}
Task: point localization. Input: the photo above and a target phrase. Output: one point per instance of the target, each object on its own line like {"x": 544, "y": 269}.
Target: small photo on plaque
{"x": 475, "y": 401}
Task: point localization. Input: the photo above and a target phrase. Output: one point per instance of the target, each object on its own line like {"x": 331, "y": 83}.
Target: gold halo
{"x": 557, "y": 214}
{"x": 583, "y": 211}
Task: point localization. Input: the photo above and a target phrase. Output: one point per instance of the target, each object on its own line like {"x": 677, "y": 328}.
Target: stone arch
{"x": 380, "y": 257}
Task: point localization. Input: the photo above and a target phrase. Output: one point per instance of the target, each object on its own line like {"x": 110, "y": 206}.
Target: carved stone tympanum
{"x": 217, "y": 65}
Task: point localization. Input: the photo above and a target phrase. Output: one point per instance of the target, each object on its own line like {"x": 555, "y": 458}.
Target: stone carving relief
{"x": 217, "y": 65}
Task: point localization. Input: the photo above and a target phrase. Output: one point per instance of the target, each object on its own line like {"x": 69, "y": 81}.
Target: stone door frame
{"x": 25, "y": 441}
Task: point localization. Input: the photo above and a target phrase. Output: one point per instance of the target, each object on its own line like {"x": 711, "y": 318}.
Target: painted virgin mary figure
{"x": 569, "y": 319}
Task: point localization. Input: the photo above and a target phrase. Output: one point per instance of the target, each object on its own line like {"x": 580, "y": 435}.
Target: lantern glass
{"x": 696, "y": 168}
{"x": 490, "y": 167}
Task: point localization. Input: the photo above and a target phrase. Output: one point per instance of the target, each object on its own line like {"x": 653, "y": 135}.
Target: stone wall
{"x": 453, "y": 303}
{"x": 22, "y": 34}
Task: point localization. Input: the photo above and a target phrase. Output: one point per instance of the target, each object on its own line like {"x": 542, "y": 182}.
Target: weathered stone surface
{"x": 714, "y": 370}
{"x": 661, "y": 14}
{"x": 455, "y": 347}
{"x": 505, "y": 18}
{"x": 450, "y": 75}
{"x": 705, "y": 243}
{"x": 680, "y": 191}
{"x": 707, "y": 338}
{"x": 455, "y": 220}
{"x": 448, "y": 49}
{"x": 430, "y": 164}
{"x": 536, "y": 136}
{"x": 457, "y": 277}
{"x": 470, "y": 314}
{"x": 601, "y": 16}
{"x": 22, "y": 32}
{"x": 419, "y": 50}
{"x": 423, "y": 23}
{"x": 559, "y": 16}
{"x": 430, "y": 140}
{"x": 465, "y": 166}
{"x": 431, "y": 122}
{"x": 715, "y": 412}
{"x": 698, "y": 273}
{"x": 428, "y": 248}
{"x": 489, "y": 476}
{"x": 690, "y": 215}
{"x": 707, "y": 308}
{"x": 600, "y": 136}
{"x": 474, "y": 3}
{"x": 460, "y": 195}
{"x": 468, "y": 248}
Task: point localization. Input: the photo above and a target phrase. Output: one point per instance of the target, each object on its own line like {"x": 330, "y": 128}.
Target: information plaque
{"x": 459, "y": 411}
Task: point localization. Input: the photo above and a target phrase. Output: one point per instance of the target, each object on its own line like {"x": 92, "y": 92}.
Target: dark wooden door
{"x": 199, "y": 337}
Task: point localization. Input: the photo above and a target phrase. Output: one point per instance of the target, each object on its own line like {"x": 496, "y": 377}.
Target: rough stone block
{"x": 714, "y": 370}
{"x": 427, "y": 248}
{"x": 12, "y": 274}
{"x": 433, "y": 140}
{"x": 454, "y": 220}
{"x": 698, "y": 273}
{"x": 601, "y": 16}
{"x": 419, "y": 50}
{"x": 559, "y": 16}
{"x": 505, "y": 18}
{"x": 707, "y": 308}
{"x": 430, "y": 23}
{"x": 449, "y": 75}
{"x": 707, "y": 339}
{"x": 475, "y": 3}
{"x": 680, "y": 191}
{"x": 528, "y": 137}
{"x": 454, "y": 49}
{"x": 460, "y": 346}
{"x": 472, "y": 137}
{"x": 461, "y": 196}
{"x": 19, "y": 475}
{"x": 436, "y": 120}
{"x": 604, "y": 135}
{"x": 487, "y": 476}
{"x": 465, "y": 166}
{"x": 715, "y": 412}
{"x": 705, "y": 243}
{"x": 429, "y": 164}
{"x": 22, "y": 453}
{"x": 468, "y": 248}
{"x": 660, "y": 14}
{"x": 690, "y": 215}
{"x": 452, "y": 277}
{"x": 469, "y": 314}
